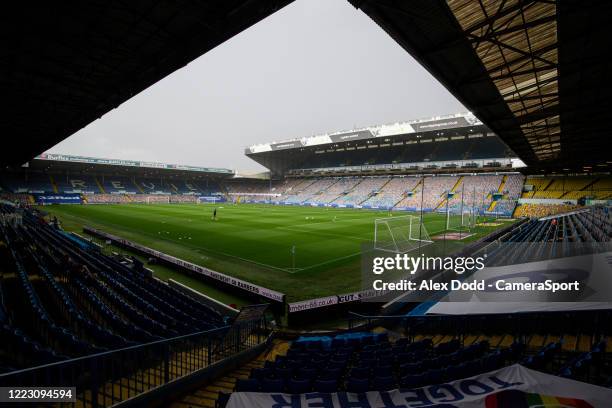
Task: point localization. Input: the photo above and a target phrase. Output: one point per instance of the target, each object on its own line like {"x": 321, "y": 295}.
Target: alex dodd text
{"x": 481, "y": 285}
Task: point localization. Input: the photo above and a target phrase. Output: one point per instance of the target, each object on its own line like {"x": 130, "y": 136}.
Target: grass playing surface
{"x": 252, "y": 242}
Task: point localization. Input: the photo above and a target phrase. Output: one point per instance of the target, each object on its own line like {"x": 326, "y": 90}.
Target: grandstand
{"x": 118, "y": 279}
{"x": 66, "y": 301}
{"x": 391, "y": 192}
{"x": 563, "y": 187}
{"x": 367, "y": 187}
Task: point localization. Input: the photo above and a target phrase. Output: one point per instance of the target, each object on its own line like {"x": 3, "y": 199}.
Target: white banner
{"x": 510, "y": 387}
{"x": 312, "y": 304}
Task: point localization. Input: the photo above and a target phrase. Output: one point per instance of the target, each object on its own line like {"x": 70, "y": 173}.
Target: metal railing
{"x": 111, "y": 377}
{"x": 595, "y": 323}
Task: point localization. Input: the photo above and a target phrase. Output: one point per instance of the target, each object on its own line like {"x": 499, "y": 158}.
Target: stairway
{"x": 100, "y": 186}
{"x": 380, "y": 189}
{"x": 350, "y": 190}
{"x": 452, "y": 190}
{"x": 548, "y": 184}
{"x": 140, "y": 190}
{"x": 500, "y": 189}
{"x": 502, "y": 184}
{"x": 589, "y": 185}
{"x": 207, "y": 396}
{"x": 53, "y": 184}
{"x": 457, "y": 184}
{"x": 413, "y": 190}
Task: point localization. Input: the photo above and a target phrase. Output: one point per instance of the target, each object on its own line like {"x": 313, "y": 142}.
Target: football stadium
{"x": 460, "y": 260}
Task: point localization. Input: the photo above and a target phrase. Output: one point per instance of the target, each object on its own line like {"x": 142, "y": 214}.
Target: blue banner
{"x": 44, "y": 199}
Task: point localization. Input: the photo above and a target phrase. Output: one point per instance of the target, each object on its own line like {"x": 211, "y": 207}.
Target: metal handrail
{"x": 110, "y": 377}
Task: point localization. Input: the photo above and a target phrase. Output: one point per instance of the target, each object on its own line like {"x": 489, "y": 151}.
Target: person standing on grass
{"x": 215, "y": 214}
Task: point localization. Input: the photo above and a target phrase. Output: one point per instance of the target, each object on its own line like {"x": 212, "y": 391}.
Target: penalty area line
{"x": 321, "y": 233}
{"x": 327, "y": 262}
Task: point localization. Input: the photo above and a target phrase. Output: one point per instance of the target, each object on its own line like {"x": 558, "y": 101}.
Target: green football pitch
{"x": 305, "y": 252}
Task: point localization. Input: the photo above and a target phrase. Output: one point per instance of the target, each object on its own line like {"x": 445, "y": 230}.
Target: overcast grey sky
{"x": 315, "y": 66}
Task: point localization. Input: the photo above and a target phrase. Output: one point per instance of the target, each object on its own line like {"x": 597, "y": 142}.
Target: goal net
{"x": 208, "y": 200}
{"x": 400, "y": 234}
{"x": 158, "y": 199}
{"x": 461, "y": 211}
{"x": 463, "y": 220}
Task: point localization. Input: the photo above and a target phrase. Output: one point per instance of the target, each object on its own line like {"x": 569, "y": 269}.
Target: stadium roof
{"x": 68, "y": 63}
{"x": 70, "y": 161}
{"x": 535, "y": 72}
{"x": 435, "y": 124}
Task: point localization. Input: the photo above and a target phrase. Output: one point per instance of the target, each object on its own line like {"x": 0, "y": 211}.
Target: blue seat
{"x": 371, "y": 348}
{"x": 306, "y": 374}
{"x": 367, "y": 340}
{"x": 261, "y": 373}
{"x": 384, "y": 361}
{"x": 384, "y": 383}
{"x": 383, "y": 371}
{"x": 381, "y": 338}
{"x": 283, "y": 373}
{"x": 336, "y": 365}
{"x": 273, "y": 385}
{"x": 369, "y": 362}
{"x": 353, "y": 342}
{"x": 491, "y": 362}
{"x": 403, "y": 357}
{"x": 411, "y": 368}
{"x": 326, "y": 385}
{"x": 331, "y": 374}
{"x": 455, "y": 372}
{"x": 294, "y": 363}
{"x": 337, "y": 343}
{"x": 316, "y": 362}
{"x": 411, "y": 381}
{"x": 357, "y": 385}
{"x": 313, "y": 345}
{"x": 298, "y": 386}
{"x": 340, "y": 359}
{"x": 360, "y": 372}
{"x": 472, "y": 367}
{"x": 247, "y": 385}
{"x": 402, "y": 341}
{"x": 345, "y": 350}
{"x": 434, "y": 376}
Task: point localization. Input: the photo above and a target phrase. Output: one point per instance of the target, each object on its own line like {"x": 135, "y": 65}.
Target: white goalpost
{"x": 400, "y": 234}
{"x": 463, "y": 220}
{"x": 463, "y": 216}
{"x": 158, "y": 199}
{"x": 207, "y": 200}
